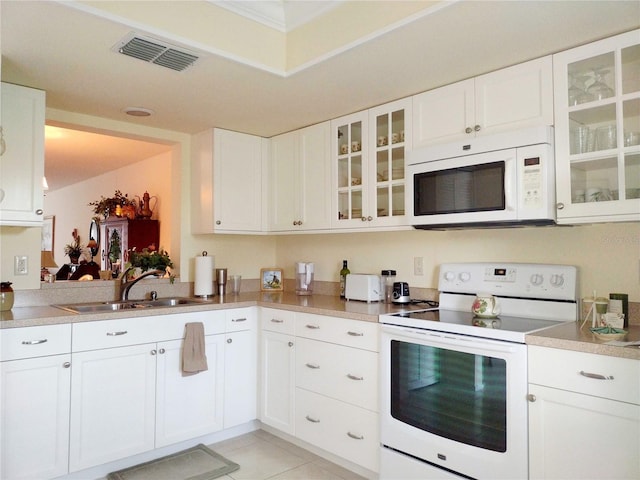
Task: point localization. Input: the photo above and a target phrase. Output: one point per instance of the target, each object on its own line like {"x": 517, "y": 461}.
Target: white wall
{"x": 608, "y": 255}
{"x": 71, "y": 209}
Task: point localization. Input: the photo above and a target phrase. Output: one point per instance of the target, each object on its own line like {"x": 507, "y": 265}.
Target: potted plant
{"x": 107, "y": 206}
{"x": 73, "y": 249}
{"x": 150, "y": 259}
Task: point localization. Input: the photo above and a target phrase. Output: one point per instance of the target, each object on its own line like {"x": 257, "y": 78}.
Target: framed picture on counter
{"x": 271, "y": 280}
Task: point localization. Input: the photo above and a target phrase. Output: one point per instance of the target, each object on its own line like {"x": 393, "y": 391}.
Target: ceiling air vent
{"x": 154, "y": 51}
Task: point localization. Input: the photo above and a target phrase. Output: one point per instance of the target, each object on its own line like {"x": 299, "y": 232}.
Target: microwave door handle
{"x": 510, "y": 184}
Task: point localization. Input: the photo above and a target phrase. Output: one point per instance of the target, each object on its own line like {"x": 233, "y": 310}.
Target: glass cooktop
{"x": 502, "y": 327}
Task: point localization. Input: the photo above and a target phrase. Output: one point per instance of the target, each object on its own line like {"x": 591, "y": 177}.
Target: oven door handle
{"x": 434, "y": 338}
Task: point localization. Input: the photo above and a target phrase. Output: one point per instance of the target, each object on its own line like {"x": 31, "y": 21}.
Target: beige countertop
{"x": 566, "y": 336}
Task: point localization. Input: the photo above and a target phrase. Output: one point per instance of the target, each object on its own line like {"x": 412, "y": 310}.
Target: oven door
{"x": 471, "y": 189}
{"x": 454, "y": 401}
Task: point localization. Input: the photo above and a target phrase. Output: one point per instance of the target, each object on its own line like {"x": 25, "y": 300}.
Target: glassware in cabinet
{"x": 598, "y": 130}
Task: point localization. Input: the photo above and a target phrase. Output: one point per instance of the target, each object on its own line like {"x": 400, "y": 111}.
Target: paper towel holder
{"x": 203, "y": 284}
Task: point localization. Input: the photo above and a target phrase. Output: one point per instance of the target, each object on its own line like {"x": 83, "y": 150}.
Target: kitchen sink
{"x": 100, "y": 307}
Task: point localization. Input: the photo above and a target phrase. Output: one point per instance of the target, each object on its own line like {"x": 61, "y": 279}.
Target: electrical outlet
{"x": 418, "y": 266}
{"x": 21, "y": 265}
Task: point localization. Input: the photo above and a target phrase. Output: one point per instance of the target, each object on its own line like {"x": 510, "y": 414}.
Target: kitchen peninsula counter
{"x": 567, "y": 336}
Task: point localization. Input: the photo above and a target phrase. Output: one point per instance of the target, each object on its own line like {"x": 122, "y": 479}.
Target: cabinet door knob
{"x": 39, "y": 211}
{"x": 218, "y": 222}
{"x": 369, "y": 218}
{"x": 153, "y": 352}
{"x": 477, "y": 128}
{"x": 66, "y": 364}
{"x": 560, "y": 206}
{"x": 364, "y": 219}
{"x": 229, "y": 340}
{"x": 161, "y": 351}
{"x": 468, "y": 130}
{"x": 531, "y": 397}
{"x": 290, "y": 344}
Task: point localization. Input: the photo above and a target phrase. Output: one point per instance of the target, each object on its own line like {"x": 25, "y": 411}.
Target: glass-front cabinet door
{"x": 389, "y": 127}
{"x": 597, "y": 108}
{"x": 370, "y": 150}
{"x": 350, "y": 150}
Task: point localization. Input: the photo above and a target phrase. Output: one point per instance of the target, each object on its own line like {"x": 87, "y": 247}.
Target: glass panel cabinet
{"x": 597, "y": 108}
{"x": 370, "y": 150}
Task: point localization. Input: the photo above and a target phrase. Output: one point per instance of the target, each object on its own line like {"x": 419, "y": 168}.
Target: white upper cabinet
{"x": 228, "y": 182}
{"x": 597, "y": 107}
{"x": 369, "y": 151}
{"x": 300, "y": 180}
{"x": 508, "y": 99}
{"x": 22, "y": 163}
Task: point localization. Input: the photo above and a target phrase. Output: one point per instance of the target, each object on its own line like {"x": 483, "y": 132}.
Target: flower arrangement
{"x": 107, "y": 205}
{"x": 150, "y": 259}
{"x": 73, "y": 249}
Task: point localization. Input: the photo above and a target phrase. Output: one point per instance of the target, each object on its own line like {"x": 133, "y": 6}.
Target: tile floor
{"x": 264, "y": 456}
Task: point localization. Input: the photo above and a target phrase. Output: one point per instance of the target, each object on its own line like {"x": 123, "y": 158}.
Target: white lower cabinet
{"x": 112, "y": 404}
{"x": 188, "y": 406}
{"x": 128, "y": 393}
{"x": 35, "y": 417}
{"x": 320, "y": 382}
{"x": 584, "y": 415}
{"x": 277, "y": 385}
{"x": 337, "y": 427}
{"x": 35, "y": 378}
{"x": 241, "y": 367}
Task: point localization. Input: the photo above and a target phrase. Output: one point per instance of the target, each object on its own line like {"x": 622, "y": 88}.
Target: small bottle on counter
{"x": 619, "y": 303}
{"x": 343, "y": 277}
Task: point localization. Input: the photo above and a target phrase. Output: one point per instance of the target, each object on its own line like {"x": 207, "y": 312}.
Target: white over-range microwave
{"x": 505, "y": 179}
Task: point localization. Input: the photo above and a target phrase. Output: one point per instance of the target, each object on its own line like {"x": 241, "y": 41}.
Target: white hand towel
{"x": 194, "y": 359}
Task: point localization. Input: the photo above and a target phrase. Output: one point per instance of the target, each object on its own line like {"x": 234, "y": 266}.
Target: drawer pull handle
{"x": 116, "y": 334}
{"x": 312, "y": 420}
{"x": 355, "y": 436}
{"x": 354, "y": 377}
{"x": 277, "y": 320}
{"x": 356, "y": 334}
{"x": 315, "y": 366}
{"x": 34, "y": 342}
{"x": 238, "y": 319}
{"x": 312, "y": 327}
{"x": 597, "y": 376}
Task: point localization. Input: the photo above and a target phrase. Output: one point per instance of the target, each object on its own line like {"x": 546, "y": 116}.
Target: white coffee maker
{"x": 304, "y": 278}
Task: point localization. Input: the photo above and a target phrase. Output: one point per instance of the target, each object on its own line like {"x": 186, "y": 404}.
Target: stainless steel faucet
{"x": 125, "y": 286}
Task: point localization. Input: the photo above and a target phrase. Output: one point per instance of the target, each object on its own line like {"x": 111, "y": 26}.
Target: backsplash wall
{"x": 608, "y": 255}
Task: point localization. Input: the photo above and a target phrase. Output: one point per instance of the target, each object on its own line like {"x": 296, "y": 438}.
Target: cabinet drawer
{"x": 171, "y": 327}
{"x": 238, "y": 319}
{"x": 30, "y": 342}
{"x": 599, "y": 375}
{"x": 342, "y": 429}
{"x": 281, "y": 321}
{"x": 339, "y": 372}
{"x": 115, "y": 333}
{"x": 353, "y": 333}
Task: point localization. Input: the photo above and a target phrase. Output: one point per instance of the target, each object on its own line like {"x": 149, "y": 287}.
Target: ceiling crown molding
{"x": 282, "y": 15}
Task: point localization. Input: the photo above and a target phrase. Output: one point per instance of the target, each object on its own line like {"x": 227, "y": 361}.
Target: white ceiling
{"x": 67, "y": 52}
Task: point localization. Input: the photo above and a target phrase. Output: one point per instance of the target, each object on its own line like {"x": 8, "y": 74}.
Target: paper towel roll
{"x": 203, "y": 285}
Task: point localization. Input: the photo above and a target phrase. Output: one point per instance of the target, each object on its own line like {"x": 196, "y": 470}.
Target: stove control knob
{"x": 557, "y": 280}
{"x": 449, "y": 276}
{"x": 537, "y": 279}
{"x": 465, "y": 276}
